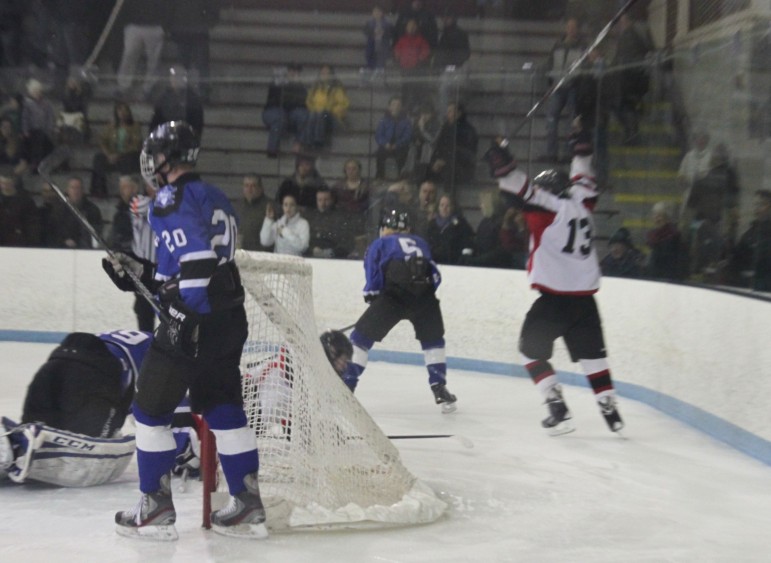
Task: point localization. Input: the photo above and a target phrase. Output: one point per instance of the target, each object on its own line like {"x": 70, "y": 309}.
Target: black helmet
{"x": 556, "y": 181}
{"x": 396, "y": 219}
{"x": 176, "y": 141}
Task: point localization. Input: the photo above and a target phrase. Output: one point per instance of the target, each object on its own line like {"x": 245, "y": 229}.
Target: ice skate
{"x": 609, "y": 411}
{"x": 559, "y": 420}
{"x": 244, "y": 516}
{"x": 152, "y": 518}
{"x": 443, "y": 397}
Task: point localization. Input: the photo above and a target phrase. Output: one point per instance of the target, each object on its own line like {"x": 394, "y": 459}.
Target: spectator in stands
{"x": 352, "y": 194}
{"x": 70, "y": 39}
{"x": 290, "y": 234}
{"x": 392, "y": 135}
{"x": 694, "y": 166}
{"x": 330, "y": 235}
{"x": 122, "y": 231}
{"x": 303, "y": 184}
{"x": 714, "y": 198}
{"x": 12, "y": 108}
{"x": 454, "y": 160}
{"x": 38, "y": 123}
{"x": 449, "y": 234}
{"x": 119, "y": 147}
{"x": 70, "y": 232}
{"x": 623, "y": 260}
{"x": 489, "y": 250}
{"x": 178, "y": 102}
{"x": 285, "y": 110}
{"x": 189, "y": 27}
{"x": 428, "y": 193}
{"x": 424, "y": 133}
{"x": 11, "y": 32}
{"x": 251, "y": 212}
{"x": 48, "y": 211}
{"x": 379, "y": 32}
{"x": 425, "y": 20}
{"x": 666, "y": 259}
{"x": 412, "y": 52}
{"x": 73, "y": 125}
{"x": 562, "y": 56}
{"x": 451, "y": 53}
{"x": 633, "y": 46}
{"x": 750, "y": 261}
{"x": 327, "y": 104}
{"x": 19, "y": 217}
{"x": 143, "y": 35}
{"x": 13, "y": 158}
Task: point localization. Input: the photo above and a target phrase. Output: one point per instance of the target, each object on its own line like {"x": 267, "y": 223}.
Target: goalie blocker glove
{"x": 115, "y": 266}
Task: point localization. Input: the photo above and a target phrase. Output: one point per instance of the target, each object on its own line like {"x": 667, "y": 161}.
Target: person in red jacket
{"x": 412, "y": 51}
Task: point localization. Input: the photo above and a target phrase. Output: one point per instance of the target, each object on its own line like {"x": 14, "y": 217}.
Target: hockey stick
{"x": 576, "y": 64}
{"x": 50, "y": 163}
{"x": 465, "y": 442}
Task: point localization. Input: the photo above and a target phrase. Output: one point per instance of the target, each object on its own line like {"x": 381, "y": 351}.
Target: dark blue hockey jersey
{"x": 130, "y": 347}
{"x": 397, "y": 246}
{"x": 197, "y": 230}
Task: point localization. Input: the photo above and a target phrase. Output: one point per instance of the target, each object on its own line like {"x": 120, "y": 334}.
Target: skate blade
{"x": 447, "y": 408}
{"x": 564, "y": 427}
{"x": 149, "y": 533}
{"x": 249, "y": 531}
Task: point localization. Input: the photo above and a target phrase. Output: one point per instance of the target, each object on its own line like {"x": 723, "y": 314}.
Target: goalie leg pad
{"x": 68, "y": 459}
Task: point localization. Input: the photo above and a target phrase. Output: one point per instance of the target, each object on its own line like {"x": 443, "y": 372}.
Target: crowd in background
{"x": 425, "y": 146}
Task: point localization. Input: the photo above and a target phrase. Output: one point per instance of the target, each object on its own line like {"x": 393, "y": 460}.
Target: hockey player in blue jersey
{"x": 401, "y": 281}
{"x": 198, "y": 343}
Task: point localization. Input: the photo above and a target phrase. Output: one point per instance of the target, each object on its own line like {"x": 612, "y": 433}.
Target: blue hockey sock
{"x": 436, "y": 361}
{"x": 361, "y": 348}
{"x": 236, "y": 444}
{"x": 156, "y": 449}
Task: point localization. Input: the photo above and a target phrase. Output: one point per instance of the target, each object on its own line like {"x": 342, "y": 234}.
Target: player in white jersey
{"x": 563, "y": 266}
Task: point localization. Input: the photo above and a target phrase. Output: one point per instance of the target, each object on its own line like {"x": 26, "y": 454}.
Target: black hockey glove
{"x": 580, "y": 143}
{"x": 180, "y": 331}
{"x": 499, "y": 159}
{"x": 117, "y": 264}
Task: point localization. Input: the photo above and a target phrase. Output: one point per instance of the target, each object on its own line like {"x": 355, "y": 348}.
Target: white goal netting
{"x": 323, "y": 461}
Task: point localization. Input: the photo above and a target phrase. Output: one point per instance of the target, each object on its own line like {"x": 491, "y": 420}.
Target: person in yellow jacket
{"x": 327, "y": 104}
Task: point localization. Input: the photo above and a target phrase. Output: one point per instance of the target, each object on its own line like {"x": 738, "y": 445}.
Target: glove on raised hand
{"x": 116, "y": 265}
{"x": 499, "y": 158}
{"x": 581, "y": 143}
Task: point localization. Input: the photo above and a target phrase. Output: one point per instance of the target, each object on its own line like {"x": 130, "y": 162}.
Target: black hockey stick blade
{"x": 45, "y": 168}
{"x": 575, "y": 66}
{"x": 465, "y": 442}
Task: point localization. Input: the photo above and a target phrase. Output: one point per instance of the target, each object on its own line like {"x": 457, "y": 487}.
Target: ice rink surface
{"x": 661, "y": 493}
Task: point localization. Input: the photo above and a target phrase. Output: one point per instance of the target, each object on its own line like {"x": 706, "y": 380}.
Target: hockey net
{"x": 323, "y": 461}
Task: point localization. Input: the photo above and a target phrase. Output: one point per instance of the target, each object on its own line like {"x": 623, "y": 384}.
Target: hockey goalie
{"x": 75, "y": 407}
